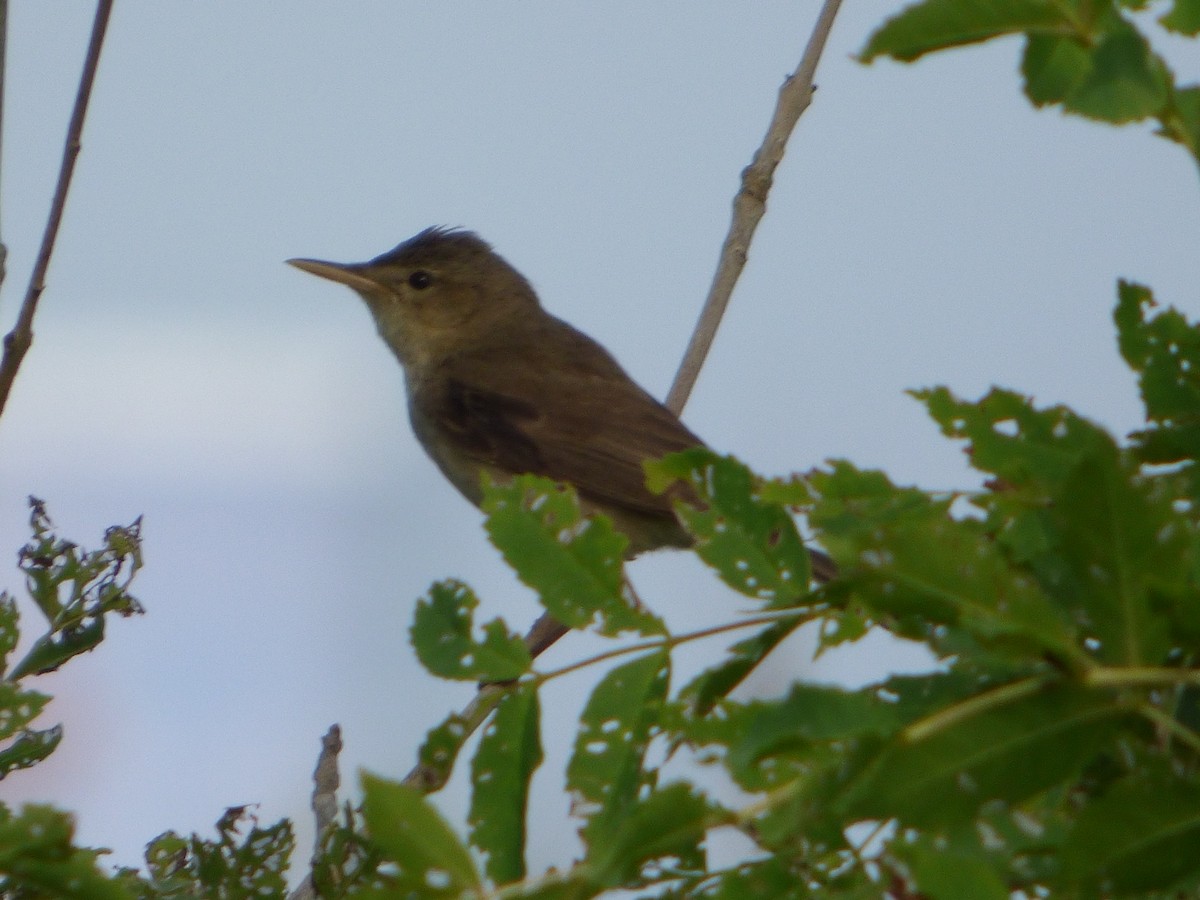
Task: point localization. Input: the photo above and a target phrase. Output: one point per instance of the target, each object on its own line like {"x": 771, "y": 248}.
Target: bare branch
{"x": 749, "y": 206}
{"x": 3, "y": 82}
{"x": 324, "y": 801}
{"x": 18, "y": 341}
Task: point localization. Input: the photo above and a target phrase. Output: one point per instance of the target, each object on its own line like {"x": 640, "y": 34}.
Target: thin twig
{"x": 3, "y": 81}
{"x": 18, "y": 341}
{"x": 749, "y": 206}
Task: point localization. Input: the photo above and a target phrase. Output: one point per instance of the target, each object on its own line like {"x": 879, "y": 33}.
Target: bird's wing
{"x": 589, "y": 428}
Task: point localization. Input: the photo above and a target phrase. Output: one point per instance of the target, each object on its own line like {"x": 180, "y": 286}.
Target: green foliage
{"x": 39, "y": 861}
{"x": 1091, "y": 58}
{"x": 229, "y": 868}
{"x": 441, "y": 634}
{"x": 1053, "y": 749}
{"x": 574, "y": 563}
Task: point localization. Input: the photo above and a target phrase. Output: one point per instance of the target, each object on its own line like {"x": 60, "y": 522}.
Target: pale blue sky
{"x": 926, "y": 227}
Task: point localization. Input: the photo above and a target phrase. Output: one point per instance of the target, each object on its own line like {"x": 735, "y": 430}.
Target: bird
{"x": 498, "y": 385}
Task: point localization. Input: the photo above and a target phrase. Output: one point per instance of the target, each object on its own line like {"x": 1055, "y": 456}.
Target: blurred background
{"x": 927, "y": 227}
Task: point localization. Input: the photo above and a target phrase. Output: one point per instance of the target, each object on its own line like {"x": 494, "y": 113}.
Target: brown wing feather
{"x": 581, "y": 420}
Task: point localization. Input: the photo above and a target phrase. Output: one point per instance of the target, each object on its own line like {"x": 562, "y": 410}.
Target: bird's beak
{"x": 351, "y": 274}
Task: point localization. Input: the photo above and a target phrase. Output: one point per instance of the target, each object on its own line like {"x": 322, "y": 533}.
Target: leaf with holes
{"x": 670, "y": 822}
{"x": 750, "y": 541}
{"x": 605, "y": 772}
{"x": 441, "y": 634}
{"x": 430, "y": 860}
{"x": 917, "y": 563}
{"x": 574, "y": 563}
{"x": 508, "y": 754}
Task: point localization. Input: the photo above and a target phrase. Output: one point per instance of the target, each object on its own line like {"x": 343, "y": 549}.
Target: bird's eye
{"x": 419, "y": 280}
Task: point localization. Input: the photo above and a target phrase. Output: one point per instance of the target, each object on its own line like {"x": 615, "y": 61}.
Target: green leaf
{"x": 1183, "y": 17}
{"x": 18, "y": 708}
{"x": 941, "y": 24}
{"x": 939, "y": 873}
{"x": 809, "y": 713}
{"x": 1023, "y": 446}
{"x": 771, "y": 878}
{"x": 574, "y": 563}
{"x": 430, "y": 860}
{"x": 29, "y": 748}
{"x": 1127, "y": 80}
{"x": 913, "y": 560}
{"x": 9, "y": 630}
{"x": 1182, "y": 122}
{"x": 605, "y": 770}
{"x": 508, "y": 754}
{"x": 439, "y": 751}
{"x": 75, "y": 589}
{"x": 669, "y": 822}
{"x": 1004, "y": 745}
{"x": 1107, "y": 544}
{"x": 441, "y": 635}
{"x": 750, "y": 541}
{"x": 1141, "y": 835}
{"x": 1053, "y": 66}
{"x": 1124, "y": 550}
{"x": 38, "y": 859}
{"x": 233, "y": 865}
{"x": 1165, "y": 352}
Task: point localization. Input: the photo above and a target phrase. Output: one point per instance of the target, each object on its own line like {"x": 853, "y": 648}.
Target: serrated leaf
{"x": 1011, "y": 439}
{"x": 1141, "y": 835}
{"x": 508, "y": 754}
{"x": 751, "y": 542}
{"x": 29, "y": 748}
{"x": 51, "y": 651}
{"x": 939, "y": 771}
{"x": 605, "y": 771}
{"x": 916, "y": 562}
{"x": 669, "y": 822}
{"x": 430, "y": 860}
{"x": 574, "y": 563}
{"x": 1183, "y": 17}
{"x": 940, "y": 24}
{"x": 441, "y": 635}
{"x": 1165, "y": 352}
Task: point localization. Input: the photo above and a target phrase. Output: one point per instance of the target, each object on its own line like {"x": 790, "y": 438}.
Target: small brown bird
{"x": 496, "y": 384}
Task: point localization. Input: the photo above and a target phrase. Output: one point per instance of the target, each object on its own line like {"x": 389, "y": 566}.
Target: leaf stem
{"x": 1007, "y": 693}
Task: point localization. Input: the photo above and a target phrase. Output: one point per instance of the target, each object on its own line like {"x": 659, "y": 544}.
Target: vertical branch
{"x": 749, "y": 206}
{"x": 3, "y": 70}
{"x": 18, "y": 341}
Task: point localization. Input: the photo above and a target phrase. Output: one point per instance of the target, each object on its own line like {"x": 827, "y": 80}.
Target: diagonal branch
{"x": 18, "y": 341}
{"x": 749, "y": 206}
